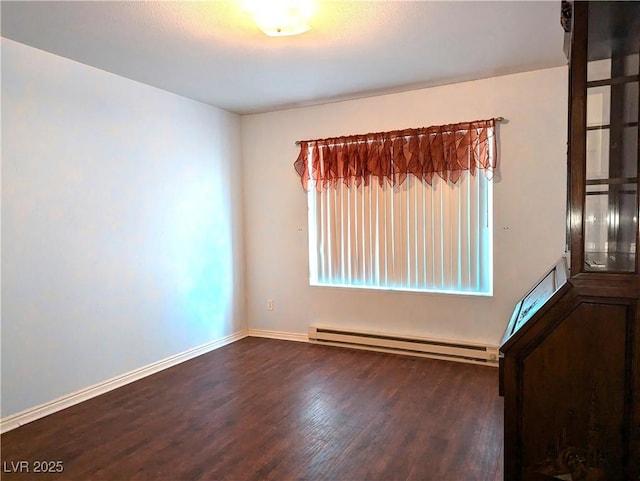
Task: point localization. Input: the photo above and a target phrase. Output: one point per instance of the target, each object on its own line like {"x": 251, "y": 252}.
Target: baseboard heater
{"x": 409, "y": 345}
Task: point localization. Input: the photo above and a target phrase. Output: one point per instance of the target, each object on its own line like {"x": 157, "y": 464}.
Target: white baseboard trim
{"x": 284, "y": 336}
{"x": 16, "y": 420}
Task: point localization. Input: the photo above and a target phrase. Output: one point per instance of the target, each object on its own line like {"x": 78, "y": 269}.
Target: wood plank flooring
{"x": 262, "y": 409}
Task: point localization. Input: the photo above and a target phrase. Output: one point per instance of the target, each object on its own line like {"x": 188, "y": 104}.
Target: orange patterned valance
{"x": 444, "y": 150}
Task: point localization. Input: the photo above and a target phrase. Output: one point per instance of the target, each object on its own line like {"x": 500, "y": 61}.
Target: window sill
{"x": 448, "y": 292}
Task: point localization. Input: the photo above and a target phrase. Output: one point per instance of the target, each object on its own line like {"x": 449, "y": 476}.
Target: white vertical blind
{"x": 411, "y": 236}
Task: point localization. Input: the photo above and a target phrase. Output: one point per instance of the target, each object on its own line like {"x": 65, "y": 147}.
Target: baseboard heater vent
{"x": 415, "y": 346}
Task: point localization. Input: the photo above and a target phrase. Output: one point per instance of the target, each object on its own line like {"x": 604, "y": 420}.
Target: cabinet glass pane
{"x": 598, "y": 154}
{"x": 611, "y": 226}
{"x": 599, "y": 70}
{"x": 632, "y": 64}
{"x": 598, "y": 106}
{"x": 629, "y": 163}
{"x": 630, "y": 108}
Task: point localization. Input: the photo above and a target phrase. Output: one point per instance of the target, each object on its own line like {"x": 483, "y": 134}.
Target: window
{"x": 406, "y": 210}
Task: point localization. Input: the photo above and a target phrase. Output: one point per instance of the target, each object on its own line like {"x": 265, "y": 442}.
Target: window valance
{"x": 444, "y": 150}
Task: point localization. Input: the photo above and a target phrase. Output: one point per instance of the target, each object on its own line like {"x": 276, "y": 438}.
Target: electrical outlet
{"x": 269, "y": 304}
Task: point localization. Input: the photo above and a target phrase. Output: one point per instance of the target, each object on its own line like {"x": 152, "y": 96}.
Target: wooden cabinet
{"x": 570, "y": 357}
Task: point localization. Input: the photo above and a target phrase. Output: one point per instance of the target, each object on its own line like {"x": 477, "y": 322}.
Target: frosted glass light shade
{"x": 278, "y": 18}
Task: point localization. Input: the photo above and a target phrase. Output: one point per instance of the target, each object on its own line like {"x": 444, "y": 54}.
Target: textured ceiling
{"x": 212, "y": 52}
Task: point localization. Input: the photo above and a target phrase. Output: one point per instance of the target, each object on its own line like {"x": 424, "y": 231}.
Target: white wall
{"x": 529, "y": 212}
{"x": 121, "y": 226}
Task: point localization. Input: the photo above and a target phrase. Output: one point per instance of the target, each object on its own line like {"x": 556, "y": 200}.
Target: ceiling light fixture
{"x": 281, "y": 18}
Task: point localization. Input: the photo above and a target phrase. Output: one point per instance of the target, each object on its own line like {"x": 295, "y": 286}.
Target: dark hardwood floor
{"x": 262, "y": 409}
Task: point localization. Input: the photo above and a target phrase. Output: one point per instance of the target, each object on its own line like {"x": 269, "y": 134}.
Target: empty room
{"x": 320, "y": 240}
